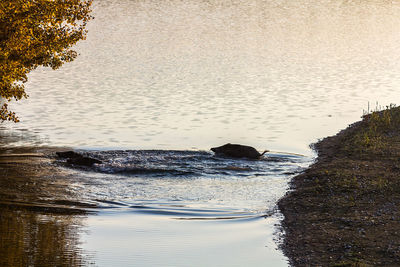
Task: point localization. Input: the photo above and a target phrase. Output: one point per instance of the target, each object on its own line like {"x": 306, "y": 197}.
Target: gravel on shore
{"x": 345, "y": 209}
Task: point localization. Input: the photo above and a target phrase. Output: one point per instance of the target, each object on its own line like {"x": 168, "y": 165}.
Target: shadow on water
{"x": 180, "y": 73}
{"x": 45, "y": 204}
{"x": 39, "y": 226}
{"x": 32, "y": 238}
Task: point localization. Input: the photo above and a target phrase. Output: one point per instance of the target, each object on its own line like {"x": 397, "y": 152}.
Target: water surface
{"x": 158, "y": 83}
{"x": 174, "y": 208}
{"x": 148, "y": 207}
{"x": 192, "y": 75}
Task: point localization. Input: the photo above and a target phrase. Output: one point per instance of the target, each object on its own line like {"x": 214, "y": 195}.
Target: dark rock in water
{"x": 77, "y": 159}
{"x": 83, "y": 161}
{"x": 238, "y": 151}
{"x": 68, "y": 155}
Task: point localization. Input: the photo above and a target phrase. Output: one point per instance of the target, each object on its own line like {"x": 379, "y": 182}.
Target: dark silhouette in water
{"x": 238, "y": 151}
{"x": 77, "y": 159}
{"x": 68, "y": 154}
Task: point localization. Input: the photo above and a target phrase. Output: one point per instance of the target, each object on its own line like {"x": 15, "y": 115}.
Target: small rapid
{"x": 184, "y": 184}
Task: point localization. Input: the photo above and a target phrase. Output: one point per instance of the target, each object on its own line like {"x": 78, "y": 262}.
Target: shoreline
{"x": 344, "y": 209}
{"x": 37, "y": 195}
{"x": 32, "y": 181}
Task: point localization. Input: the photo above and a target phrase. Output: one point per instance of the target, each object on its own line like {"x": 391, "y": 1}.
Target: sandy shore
{"x": 345, "y": 209}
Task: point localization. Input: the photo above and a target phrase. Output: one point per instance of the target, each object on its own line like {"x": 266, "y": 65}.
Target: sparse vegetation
{"x": 344, "y": 210}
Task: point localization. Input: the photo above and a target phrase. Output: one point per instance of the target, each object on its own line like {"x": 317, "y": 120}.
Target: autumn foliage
{"x": 36, "y": 33}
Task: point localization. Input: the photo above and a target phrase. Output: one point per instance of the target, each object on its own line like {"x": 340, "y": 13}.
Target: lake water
{"x": 158, "y": 83}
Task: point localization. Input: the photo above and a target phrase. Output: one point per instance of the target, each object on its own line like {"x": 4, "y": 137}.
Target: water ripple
{"x": 185, "y": 184}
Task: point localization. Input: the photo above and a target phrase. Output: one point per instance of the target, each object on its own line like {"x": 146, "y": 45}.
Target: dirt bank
{"x": 344, "y": 210}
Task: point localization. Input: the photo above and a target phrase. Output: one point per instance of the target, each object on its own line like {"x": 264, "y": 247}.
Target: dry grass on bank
{"x": 344, "y": 210}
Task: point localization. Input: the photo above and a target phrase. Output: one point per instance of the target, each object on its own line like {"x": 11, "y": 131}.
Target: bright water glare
{"x": 191, "y": 75}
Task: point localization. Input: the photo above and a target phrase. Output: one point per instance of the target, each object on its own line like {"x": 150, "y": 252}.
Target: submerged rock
{"x": 83, "y": 161}
{"x": 238, "y": 151}
{"x": 68, "y": 154}
{"x": 75, "y": 158}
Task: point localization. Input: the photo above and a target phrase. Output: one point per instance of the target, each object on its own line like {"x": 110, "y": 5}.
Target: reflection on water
{"x": 178, "y": 205}
{"x": 185, "y": 207}
{"x": 187, "y": 75}
{"x": 38, "y": 224}
{"x": 196, "y": 74}
{"x": 31, "y": 238}
{"x": 158, "y": 241}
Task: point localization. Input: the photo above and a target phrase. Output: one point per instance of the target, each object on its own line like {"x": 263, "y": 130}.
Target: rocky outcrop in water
{"x": 237, "y": 151}
{"x": 75, "y": 158}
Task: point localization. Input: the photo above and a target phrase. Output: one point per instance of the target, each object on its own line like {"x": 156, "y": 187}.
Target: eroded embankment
{"x": 344, "y": 210}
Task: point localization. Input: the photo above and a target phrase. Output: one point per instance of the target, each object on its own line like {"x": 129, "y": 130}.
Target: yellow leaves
{"x": 5, "y": 114}
{"x": 36, "y": 33}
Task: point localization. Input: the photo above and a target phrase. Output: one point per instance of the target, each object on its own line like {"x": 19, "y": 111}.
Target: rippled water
{"x": 184, "y": 181}
{"x": 147, "y": 207}
{"x": 186, "y": 207}
{"x": 192, "y": 75}
{"x": 180, "y": 77}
